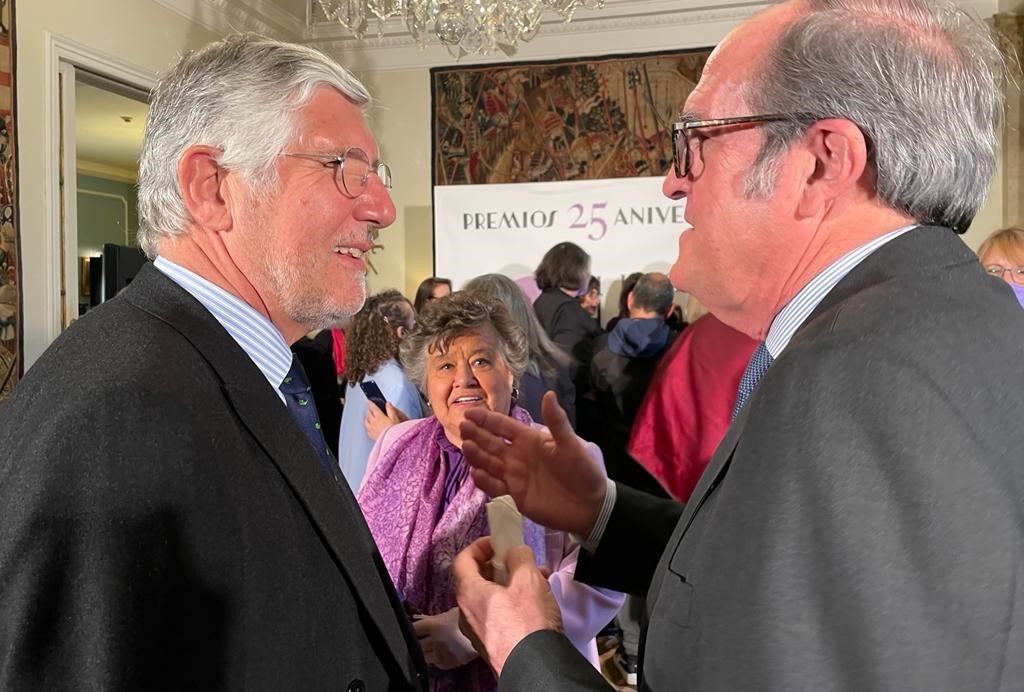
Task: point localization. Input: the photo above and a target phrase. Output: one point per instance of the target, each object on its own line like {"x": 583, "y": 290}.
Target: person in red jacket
{"x": 688, "y": 406}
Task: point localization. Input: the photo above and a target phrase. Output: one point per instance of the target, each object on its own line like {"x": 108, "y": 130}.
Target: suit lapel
{"x": 329, "y": 503}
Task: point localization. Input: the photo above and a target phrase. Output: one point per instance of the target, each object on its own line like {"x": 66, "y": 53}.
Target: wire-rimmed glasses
{"x": 351, "y": 170}
{"x": 1016, "y": 273}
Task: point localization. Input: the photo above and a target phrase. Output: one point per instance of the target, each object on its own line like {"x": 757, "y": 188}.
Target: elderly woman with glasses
{"x": 1002, "y": 255}
{"x": 422, "y": 505}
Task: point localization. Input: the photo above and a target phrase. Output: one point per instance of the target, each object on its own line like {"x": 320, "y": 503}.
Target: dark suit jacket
{"x": 619, "y": 383}
{"x": 166, "y": 524}
{"x": 861, "y": 525}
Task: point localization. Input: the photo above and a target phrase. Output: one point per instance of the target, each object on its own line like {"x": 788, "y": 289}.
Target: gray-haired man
{"x": 860, "y": 527}
{"x": 172, "y": 518}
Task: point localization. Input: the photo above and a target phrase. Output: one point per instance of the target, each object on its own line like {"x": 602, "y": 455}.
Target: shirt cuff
{"x": 594, "y": 539}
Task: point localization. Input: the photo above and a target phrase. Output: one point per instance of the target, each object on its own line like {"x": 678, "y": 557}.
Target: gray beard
{"x": 312, "y": 310}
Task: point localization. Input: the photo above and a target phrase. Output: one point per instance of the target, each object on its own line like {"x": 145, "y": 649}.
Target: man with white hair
{"x": 860, "y": 526}
{"x": 172, "y": 516}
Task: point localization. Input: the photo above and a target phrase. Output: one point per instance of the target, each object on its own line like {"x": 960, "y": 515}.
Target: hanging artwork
{"x": 10, "y": 299}
{"x": 563, "y": 120}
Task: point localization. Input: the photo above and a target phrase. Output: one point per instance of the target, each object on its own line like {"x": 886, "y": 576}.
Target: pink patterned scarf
{"x": 418, "y": 538}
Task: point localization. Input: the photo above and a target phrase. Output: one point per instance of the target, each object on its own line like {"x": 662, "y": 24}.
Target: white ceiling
{"x": 102, "y": 136}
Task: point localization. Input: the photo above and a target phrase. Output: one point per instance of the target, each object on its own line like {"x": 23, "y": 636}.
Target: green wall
{"x": 101, "y": 213}
{"x": 103, "y": 206}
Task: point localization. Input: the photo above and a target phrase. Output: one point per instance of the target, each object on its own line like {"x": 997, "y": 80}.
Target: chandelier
{"x": 463, "y": 26}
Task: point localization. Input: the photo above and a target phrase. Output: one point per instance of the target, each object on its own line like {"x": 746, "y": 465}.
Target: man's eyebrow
{"x": 688, "y": 117}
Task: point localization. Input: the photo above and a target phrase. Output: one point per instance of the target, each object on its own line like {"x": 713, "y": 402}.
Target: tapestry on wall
{"x": 10, "y": 324}
{"x": 559, "y": 120}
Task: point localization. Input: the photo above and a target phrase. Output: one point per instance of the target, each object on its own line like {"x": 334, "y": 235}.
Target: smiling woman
{"x": 422, "y": 505}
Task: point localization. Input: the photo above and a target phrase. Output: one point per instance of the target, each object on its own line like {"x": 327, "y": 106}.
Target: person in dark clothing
{"x": 561, "y": 276}
{"x": 628, "y": 284}
{"x": 624, "y": 361}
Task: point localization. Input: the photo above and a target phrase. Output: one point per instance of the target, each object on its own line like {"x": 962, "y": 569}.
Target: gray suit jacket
{"x": 167, "y": 525}
{"x": 861, "y": 526}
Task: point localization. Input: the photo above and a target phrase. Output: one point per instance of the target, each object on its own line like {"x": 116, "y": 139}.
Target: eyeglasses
{"x": 1016, "y": 273}
{"x": 351, "y": 170}
{"x": 684, "y": 134}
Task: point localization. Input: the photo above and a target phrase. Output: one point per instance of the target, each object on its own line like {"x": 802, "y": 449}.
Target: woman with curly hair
{"x": 422, "y": 505}
{"x": 371, "y": 355}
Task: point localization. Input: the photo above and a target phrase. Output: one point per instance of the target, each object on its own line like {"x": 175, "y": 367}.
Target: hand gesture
{"x": 444, "y": 645}
{"x": 496, "y": 618}
{"x": 551, "y": 476}
{"x": 376, "y": 421}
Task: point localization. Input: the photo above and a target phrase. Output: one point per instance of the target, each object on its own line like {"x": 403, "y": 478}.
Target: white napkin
{"x": 506, "y": 531}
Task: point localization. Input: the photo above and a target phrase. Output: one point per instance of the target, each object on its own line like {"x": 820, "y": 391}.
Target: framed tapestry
{"x": 10, "y": 299}
{"x": 590, "y": 119}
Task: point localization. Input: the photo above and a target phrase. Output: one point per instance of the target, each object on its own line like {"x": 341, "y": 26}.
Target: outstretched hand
{"x": 496, "y": 618}
{"x": 551, "y": 476}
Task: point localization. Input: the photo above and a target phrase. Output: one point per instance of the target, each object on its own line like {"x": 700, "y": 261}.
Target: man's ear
{"x": 839, "y": 154}
{"x": 202, "y": 183}
{"x": 629, "y": 301}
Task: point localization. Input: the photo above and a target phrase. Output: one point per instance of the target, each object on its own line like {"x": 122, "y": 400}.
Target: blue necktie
{"x": 299, "y": 396}
{"x": 759, "y": 363}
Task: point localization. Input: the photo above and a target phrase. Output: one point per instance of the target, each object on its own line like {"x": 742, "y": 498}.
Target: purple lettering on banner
{"x": 597, "y": 220}
{"x": 578, "y": 223}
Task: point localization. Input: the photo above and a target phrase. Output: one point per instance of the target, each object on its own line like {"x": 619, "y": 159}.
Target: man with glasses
{"x": 860, "y": 526}
{"x": 172, "y": 517}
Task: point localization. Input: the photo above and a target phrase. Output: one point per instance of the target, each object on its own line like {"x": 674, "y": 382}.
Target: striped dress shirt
{"x": 252, "y": 331}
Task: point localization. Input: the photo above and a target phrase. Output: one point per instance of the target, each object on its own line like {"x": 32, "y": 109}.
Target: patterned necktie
{"x": 759, "y": 363}
{"x": 299, "y": 396}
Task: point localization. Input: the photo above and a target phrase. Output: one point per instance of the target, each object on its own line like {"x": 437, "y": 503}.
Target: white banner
{"x": 625, "y": 225}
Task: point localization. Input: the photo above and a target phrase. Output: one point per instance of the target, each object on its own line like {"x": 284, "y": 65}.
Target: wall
{"x": 107, "y": 213}
{"x": 140, "y": 32}
{"x": 400, "y": 119}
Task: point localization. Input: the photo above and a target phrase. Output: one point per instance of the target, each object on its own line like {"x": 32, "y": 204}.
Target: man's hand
{"x": 376, "y": 421}
{"x": 496, "y": 618}
{"x": 552, "y": 478}
{"x": 444, "y": 645}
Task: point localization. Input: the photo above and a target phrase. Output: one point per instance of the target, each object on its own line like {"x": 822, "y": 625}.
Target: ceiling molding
{"x": 618, "y": 28}
{"x": 102, "y": 170}
{"x": 228, "y": 16}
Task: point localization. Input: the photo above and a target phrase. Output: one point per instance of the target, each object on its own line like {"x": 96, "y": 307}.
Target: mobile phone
{"x": 373, "y": 393}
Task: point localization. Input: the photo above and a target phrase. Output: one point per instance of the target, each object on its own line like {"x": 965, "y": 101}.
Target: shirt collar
{"x": 798, "y": 309}
{"x": 252, "y": 331}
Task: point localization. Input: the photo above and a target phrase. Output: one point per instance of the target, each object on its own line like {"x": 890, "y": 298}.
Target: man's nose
{"x": 375, "y": 204}
{"x": 673, "y": 186}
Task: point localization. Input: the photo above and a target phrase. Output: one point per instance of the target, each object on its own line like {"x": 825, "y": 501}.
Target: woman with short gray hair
{"x": 422, "y": 505}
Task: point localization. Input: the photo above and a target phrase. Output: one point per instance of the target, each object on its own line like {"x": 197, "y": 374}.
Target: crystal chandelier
{"x": 463, "y": 26}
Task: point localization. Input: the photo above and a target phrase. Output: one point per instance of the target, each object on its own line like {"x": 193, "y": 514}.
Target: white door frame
{"x": 62, "y": 56}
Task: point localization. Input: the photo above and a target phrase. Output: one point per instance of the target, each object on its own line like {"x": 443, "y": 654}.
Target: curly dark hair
{"x": 372, "y": 339}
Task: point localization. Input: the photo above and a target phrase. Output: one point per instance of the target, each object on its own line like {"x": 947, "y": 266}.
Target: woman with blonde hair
{"x": 1002, "y": 255}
